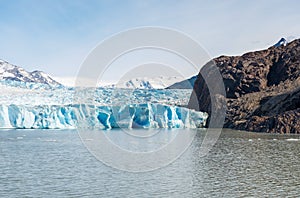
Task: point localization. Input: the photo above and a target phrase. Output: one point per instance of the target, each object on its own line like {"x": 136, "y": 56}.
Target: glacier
{"x": 19, "y": 93}
{"x": 25, "y": 105}
{"x": 147, "y": 115}
{"x": 33, "y": 100}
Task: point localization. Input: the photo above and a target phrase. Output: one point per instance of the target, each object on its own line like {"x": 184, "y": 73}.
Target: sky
{"x": 55, "y": 36}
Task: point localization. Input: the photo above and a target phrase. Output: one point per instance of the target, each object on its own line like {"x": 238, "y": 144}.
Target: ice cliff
{"x": 102, "y": 117}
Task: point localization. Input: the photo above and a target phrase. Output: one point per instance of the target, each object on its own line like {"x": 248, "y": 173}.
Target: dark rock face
{"x": 262, "y": 89}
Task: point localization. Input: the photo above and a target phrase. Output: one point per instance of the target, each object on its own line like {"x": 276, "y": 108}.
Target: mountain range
{"x": 9, "y": 72}
{"x": 160, "y": 82}
{"x": 12, "y": 73}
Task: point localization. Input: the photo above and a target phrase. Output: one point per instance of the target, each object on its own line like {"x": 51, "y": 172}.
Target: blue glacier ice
{"x": 29, "y": 85}
{"x": 147, "y": 115}
{"x": 33, "y": 100}
{"x": 36, "y": 106}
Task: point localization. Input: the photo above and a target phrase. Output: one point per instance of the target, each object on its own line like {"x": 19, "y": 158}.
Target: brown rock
{"x": 262, "y": 89}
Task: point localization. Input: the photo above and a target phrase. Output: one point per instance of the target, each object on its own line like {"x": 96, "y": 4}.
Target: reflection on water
{"x": 51, "y": 163}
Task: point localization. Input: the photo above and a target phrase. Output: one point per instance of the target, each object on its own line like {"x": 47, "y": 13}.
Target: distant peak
{"x": 14, "y": 73}
{"x": 282, "y": 41}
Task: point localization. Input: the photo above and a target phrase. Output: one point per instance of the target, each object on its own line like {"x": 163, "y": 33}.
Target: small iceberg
{"x": 293, "y": 139}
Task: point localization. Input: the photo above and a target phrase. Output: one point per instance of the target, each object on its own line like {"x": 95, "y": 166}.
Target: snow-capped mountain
{"x": 185, "y": 84}
{"x": 14, "y": 73}
{"x": 160, "y": 82}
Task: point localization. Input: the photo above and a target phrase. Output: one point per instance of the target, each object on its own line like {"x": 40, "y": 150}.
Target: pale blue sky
{"x": 56, "y": 35}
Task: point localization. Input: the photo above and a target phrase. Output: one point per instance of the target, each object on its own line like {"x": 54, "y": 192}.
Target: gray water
{"x": 55, "y": 163}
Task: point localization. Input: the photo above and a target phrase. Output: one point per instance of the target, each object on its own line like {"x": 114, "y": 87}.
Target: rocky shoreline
{"x": 262, "y": 89}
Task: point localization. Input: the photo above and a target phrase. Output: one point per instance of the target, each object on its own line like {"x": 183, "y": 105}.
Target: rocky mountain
{"x": 282, "y": 41}
{"x": 14, "y": 73}
{"x": 185, "y": 84}
{"x": 262, "y": 89}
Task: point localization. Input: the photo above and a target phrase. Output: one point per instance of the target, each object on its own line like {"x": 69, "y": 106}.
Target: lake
{"x": 55, "y": 163}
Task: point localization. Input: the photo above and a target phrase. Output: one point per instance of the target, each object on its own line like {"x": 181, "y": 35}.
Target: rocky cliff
{"x": 262, "y": 89}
